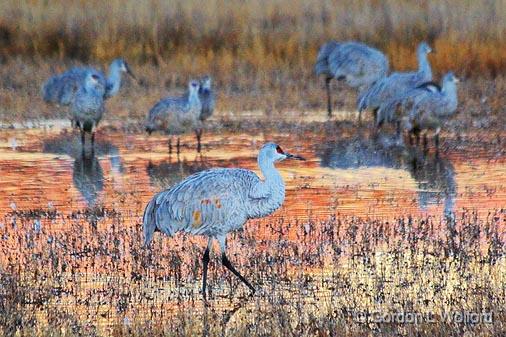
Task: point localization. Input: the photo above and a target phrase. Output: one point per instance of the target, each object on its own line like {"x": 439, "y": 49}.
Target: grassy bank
{"x": 263, "y": 36}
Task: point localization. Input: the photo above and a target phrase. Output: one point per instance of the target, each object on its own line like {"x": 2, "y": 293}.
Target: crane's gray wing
{"x": 203, "y": 202}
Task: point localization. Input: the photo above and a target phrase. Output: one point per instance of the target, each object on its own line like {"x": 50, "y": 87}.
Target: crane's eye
{"x": 95, "y": 77}
{"x": 279, "y": 150}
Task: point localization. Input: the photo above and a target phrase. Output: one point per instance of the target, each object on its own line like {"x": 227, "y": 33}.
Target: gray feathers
{"x": 207, "y": 98}
{"x": 60, "y": 89}
{"x": 358, "y": 64}
{"x": 216, "y": 201}
{"x": 430, "y": 109}
{"x": 88, "y": 104}
{"x": 176, "y": 115}
{"x": 395, "y": 85}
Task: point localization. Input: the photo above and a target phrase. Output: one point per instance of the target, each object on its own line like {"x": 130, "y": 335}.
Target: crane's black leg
{"x": 198, "y": 133}
{"x": 170, "y": 145}
{"x": 205, "y": 262}
{"x": 229, "y": 266}
{"x": 425, "y": 141}
{"x": 329, "y": 100}
{"x": 93, "y": 141}
{"x": 375, "y": 119}
{"x": 178, "y": 146}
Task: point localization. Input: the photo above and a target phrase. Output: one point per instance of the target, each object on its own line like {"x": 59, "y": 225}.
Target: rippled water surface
{"x": 90, "y": 206}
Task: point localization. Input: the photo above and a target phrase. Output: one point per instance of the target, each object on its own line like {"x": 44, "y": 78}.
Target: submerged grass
{"x": 328, "y": 278}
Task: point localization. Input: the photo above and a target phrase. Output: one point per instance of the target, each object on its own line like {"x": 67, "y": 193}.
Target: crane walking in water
{"x": 177, "y": 115}
{"x": 60, "y": 89}
{"x": 88, "y": 106}
{"x": 217, "y": 201}
{"x": 430, "y": 110}
{"x": 354, "y": 62}
{"x": 395, "y": 85}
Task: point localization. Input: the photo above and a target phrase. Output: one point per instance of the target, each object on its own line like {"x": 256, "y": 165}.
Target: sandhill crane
{"x": 207, "y": 98}
{"x": 177, "y": 115}
{"x": 396, "y": 84}
{"x": 356, "y": 63}
{"x": 88, "y": 106}
{"x": 60, "y": 89}
{"x": 215, "y": 202}
{"x": 432, "y": 108}
{"x": 397, "y": 107}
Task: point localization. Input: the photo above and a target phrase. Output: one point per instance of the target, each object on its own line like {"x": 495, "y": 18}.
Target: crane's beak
{"x": 129, "y": 72}
{"x": 292, "y": 156}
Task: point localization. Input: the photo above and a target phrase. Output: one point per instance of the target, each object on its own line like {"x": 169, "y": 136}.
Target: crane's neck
{"x": 113, "y": 80}
{"x": 194, "y": 101}
{"x": 269, "y": 194}
{"x": 449, "y": 90}
{"x": 424, "y": 66}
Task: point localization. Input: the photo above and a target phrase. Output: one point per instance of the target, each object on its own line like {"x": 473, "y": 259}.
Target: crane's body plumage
{"x": 88, "y": 105}
{"x": 395, "y": 85}
{"x": 432, "y": 108}
{"x": 356, "y": 63}
{"x": 60, "y": 89}
{"x": 207, "y": 98}
{"x": 218, "y": 201}
{"x": 176, "y": 115}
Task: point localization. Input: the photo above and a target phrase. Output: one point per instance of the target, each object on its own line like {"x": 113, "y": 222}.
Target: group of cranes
{"x": 217, "y": 201}
{"x": 409, "y": 99}
{"x": 85, "y": 90}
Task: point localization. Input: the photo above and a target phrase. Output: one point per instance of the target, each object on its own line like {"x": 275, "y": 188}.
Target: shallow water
{"x": 360, "y": 176}
{"x": 90, "y": 207}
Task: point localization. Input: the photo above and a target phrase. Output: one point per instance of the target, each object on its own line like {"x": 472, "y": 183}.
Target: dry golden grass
{"x": 280, "y": 35}
{"x": 101, "y": 282}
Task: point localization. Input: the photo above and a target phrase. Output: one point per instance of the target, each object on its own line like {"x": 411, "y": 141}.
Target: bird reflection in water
{"x": 167, "y": 173}
{"x": 88, "y": 177}
{"x": 434, "y": 174}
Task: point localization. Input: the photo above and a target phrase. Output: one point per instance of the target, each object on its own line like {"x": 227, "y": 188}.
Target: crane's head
{"x": 424, "y": 48}
{"x": 122, "y": 66}
{"x": 193, "y": 86}
{"x": 450, "y": 78}
{"x": 205, "y": 82}
{"x": 273, "y": 152}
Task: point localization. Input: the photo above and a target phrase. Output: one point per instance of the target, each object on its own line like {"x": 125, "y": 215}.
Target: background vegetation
{"x": 256, "y": 36}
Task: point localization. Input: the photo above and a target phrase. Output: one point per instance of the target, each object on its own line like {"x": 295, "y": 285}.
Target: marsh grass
{"x": 265, "y": 36}
{"x": 85, "y": 280}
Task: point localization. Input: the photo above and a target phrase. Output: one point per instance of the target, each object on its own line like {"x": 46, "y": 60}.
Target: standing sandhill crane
{"x": 397, "y": 107}
{"x": 207, "y": 98}
{"x": 356, "y": 63}
{"x": 177, "y": 114}
{"x": 60, "y": 89}
{"x": 88, "y": 106}
{"x": 431, "y": 109}
{"x": 217, "y": 201}
{"x": 396, "y": 84}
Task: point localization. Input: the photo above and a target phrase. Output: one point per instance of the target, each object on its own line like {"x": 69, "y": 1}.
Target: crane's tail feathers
{"x": 149, "y": 221}
{"x": 386, "y": 111}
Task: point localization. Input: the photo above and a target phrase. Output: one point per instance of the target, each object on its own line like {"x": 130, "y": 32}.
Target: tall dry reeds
{"x": 266, "y": 36}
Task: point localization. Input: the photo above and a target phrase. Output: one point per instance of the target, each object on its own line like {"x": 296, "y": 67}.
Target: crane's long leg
{"x": 329, "y": 100}
{"x": 198, "y": 133}
{"x": 170, "y": 145}
{"x": 226, "y": 263}
{"x": 205, "y": 262}
{"x": 178, "y": 146}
